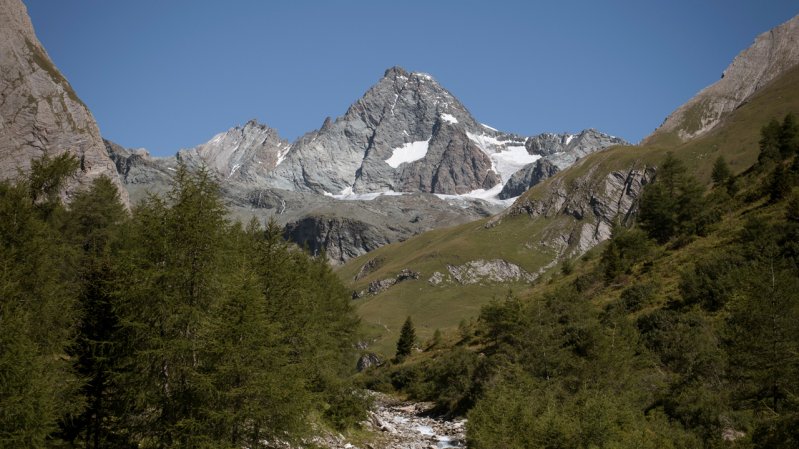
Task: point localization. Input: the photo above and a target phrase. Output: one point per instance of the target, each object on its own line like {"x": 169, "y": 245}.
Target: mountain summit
{"x": 405, "y": 139}
{"x": 406, "y": 134}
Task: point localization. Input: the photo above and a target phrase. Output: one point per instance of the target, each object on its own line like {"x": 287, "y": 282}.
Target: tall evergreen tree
{"x": 175, "y": 268}
{"x": 37, "y": 307}
{"x": 93, "y": 222}
{"x": 407, "y": 340}
{"x": 673, "y": 204}
{"x": 769, "y": 143}
{"x": 721, "y": 171}
{"x": 789, "y": 136}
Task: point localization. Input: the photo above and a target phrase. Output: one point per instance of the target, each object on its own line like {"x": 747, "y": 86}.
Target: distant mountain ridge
{"x": 407, "y": 134}
{"x": 407, "y": 141}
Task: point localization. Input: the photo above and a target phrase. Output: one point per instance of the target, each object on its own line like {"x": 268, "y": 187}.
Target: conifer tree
{"x": 407, "y": 340}
{"x": 789, "y": 136}
{"x": 174, "y": 280}
{"x": 93, "y": 224}
{"x": 37, "y": 307}
{"x": 721, "y": 171}
{"x": 769, "y": 143}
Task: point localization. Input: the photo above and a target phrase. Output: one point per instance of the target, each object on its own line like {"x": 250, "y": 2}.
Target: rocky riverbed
{"x": 403, "y": 425}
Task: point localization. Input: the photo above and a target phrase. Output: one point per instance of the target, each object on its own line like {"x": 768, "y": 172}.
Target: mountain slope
{"x": 771, "y": 55}
{"x": 41, "y": 113}
{"x": 564, "y": 215}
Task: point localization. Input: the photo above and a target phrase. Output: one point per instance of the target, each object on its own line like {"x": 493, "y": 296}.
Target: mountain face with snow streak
{"x": 407, "y": 136}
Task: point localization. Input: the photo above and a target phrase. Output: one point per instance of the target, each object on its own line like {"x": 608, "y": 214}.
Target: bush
{"x": 635, "y": 297}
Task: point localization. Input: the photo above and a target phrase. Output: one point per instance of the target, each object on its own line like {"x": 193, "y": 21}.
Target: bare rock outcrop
{"x": 595, "y": 203}
{"x": 493, "y": 271}
{"x": 41, "y": 113}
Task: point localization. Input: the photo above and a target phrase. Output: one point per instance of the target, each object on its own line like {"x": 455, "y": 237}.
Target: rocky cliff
{"x": 41, "y": 113}
{"x": 772, "y": 54}
{"x": 595, "y": 201}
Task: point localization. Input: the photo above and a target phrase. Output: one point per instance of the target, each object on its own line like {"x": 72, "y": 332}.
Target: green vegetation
{"x": 407, "y": 340}
{"x": 683, "y": 334}
{"x": 165, "y": 327}
{"x": 519, "y": 239}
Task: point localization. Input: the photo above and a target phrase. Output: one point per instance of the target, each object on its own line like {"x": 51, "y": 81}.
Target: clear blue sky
{"x": 169, "y": 74}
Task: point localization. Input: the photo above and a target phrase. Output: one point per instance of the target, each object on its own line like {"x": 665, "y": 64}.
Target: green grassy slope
{"x": 520, "y": 239}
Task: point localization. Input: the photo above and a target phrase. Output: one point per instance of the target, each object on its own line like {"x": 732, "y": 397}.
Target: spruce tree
{"x": 174, "y": 279}
{"x": 37, "y": 307}
{"x": 721, "y": 171}
{"x": 789, "y": 136}
{"x": 93, "y": 224}
{"x": 407, "y": 340}
{"x": 769, "y": 143}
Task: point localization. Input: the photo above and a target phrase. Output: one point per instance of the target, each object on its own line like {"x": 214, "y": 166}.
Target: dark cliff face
{"x": 339, "y": 238}
{"x": 41, "y": 113}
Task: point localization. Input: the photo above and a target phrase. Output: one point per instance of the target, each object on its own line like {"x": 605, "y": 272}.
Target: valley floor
{"x": 397, "y": 424}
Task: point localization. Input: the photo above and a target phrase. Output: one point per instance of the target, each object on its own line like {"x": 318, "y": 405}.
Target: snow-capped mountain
{"x": 406, "y": 134}
{"x": 405, "y": 139}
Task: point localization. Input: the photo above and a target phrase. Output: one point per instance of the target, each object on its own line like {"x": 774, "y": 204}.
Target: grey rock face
{"x": 244, "y": 153}
{"x": 368, "y": 360}
{"x": 524, "y": 179}
{"x": 772, "y": 54}
{"x": 341, "y": 238}
{"x": 351, "y": 152}
{"x": 41, "y": 114}
{"x": 495, "y": 271}
{"x": 454, "y": 165}
{"x": 595, "y": 204}
{"x": 563, "y": 150}
{"x": 346, "y": 229}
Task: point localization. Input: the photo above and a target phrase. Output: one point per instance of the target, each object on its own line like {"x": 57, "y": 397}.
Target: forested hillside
{"x": 681, "y": 331}
{"x": 166, "y": 327}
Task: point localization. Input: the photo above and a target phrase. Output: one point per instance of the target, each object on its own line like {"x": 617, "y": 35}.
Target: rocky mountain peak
{"x": 244, "y": 153}
{"x": 41, "y": 114}
{"x": 772, "y": 54}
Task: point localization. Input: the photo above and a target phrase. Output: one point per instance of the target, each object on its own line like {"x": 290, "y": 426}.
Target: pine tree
{"x": 174, "y": 278}
{"x": 780, "y": 185}
{"x": 672, "y": 205}
{"x": 37, "y": 308}
{"x": 769, "y": 143}
{"x": 789, "y": 136}
{"x": 93, "y": 222}
{"x": 721, "y": 171}
{"x": 407, "y": 340}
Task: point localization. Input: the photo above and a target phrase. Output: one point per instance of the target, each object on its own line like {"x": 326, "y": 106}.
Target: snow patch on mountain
{"x": 449, "y": 118}
{"x": 510, "y": 160}
{"x": 409, "y": 152}
{"x": 491, "y": 195}
{"x": 348, "y": 195}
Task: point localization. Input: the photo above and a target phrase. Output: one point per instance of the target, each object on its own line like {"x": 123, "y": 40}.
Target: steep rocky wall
{"x": 594, "y": 202}
{"x": 40, "y": 112}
